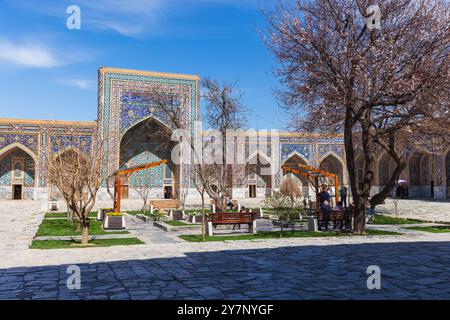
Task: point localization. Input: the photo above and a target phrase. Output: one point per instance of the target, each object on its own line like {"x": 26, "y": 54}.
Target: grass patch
{"x": 176, "y": 223}
{"x": 64, "y": 215}
{"x": 61, "y": 227}
{"x": 432, "y": 229}
{"x": 383, "y": 219}
{"x": 59, "y": 244}
{"x": 276, "y": 235}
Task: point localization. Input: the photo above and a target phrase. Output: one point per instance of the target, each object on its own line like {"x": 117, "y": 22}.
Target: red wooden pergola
{"x": 120, "y": 174}
{"x": 313, "y": 175}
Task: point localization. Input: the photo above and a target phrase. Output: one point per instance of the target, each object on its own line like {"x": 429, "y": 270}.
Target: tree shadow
{"x": 416, "y": 270}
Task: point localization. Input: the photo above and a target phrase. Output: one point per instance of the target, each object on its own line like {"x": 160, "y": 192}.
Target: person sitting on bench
{"x": 230, "y": 204}
{"x": 325, "y": 208}
{"x": 339, "y": 207}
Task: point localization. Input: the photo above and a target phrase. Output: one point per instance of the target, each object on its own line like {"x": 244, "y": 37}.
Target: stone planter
{"x": 53, "y": 206}
{"x": 114, "y": 223}
{"x": 101, "y": 213}
{"x": 195, "y": 219}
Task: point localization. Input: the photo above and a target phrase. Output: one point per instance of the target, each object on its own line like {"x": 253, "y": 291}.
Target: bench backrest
{"x": 232, "y": 217}
{"x": 334, "y": 215}
{"x": 165, "y": 204}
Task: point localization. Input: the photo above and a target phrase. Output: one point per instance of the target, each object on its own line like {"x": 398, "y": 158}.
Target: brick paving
{"x": 413, "y": 266}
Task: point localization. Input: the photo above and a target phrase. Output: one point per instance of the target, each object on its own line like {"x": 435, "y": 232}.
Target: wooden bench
{"x": 342, "y": 216}
{"x": 231, "y": 218}
{"x": 164, "y": 204}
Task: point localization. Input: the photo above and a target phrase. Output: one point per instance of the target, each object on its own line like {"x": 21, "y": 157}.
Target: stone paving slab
{"x": 434, "y": 211}
{"x": 306, "y": 272}
{"x": 414, "y": 266}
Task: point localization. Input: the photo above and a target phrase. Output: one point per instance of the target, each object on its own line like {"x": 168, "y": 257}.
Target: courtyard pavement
{"x": 413, "y": 266}
{"x": 429, "y": 210}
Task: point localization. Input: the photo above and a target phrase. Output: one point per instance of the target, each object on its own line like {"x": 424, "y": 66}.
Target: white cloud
{"x": 27, "y": 55}
{"x": 131, "y": 18}
{"x": 77, "y": 83}
{"x": 33, "y": 54}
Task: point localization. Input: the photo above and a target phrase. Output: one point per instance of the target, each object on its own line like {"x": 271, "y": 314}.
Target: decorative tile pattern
{"x": 302, "y": 149}
{"x": 79, "y": 143}
{"x": 28, "y": 140}
{"x": 336, "y": 149}
{"x": 124, "y": 101}
{"x": 152, "y": 177}
{"x": 28, "y": 170}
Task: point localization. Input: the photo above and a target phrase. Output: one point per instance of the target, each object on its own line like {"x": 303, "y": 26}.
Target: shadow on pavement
{"x": 417, "y": 270}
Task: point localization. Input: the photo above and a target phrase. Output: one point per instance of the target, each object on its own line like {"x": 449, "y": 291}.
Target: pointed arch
{"x": 24, "y": 148}
{"x": 334, "y": 155}
{"x": 14, "y": 158}
{"x": 147, "y": 141}
{"x": 259, "y": 174}
{"x": 146, "y": 119}
{"x": 293, "y": 154}
{"x": 333, "y": 164}
{"x": 259, "y": 153}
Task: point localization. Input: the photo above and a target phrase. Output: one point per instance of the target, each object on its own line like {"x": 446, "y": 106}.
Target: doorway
{"x": 167, "y": 192}
{"x": 17, "y": 192}
{"x": 252, "y": 191}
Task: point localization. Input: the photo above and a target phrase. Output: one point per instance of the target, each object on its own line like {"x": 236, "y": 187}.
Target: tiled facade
{"x": 125, "y": 103}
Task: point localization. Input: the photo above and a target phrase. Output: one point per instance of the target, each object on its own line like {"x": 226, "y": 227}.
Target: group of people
{"x": 325, "y": 203}
{"x": 325, "y": 198}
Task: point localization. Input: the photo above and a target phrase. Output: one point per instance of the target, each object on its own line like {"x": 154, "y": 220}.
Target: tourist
{"x": 229, "y": 203}
{"x": 343, "y": 192}
{"x": 324, "y": 195}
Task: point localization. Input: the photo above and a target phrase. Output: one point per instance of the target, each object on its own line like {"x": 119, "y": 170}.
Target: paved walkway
{"x": 415, "y": 266}
{"x": 434, "y": 211}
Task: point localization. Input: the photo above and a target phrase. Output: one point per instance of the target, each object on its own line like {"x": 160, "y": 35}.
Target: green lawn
{"x": 435, "y": 229}
{"x": 61, "y": 227}
{"x": 58, "y": 244}
{"x": 383, "y": 219}
{"x": 64, "y": 215}
{"x": 276, "y": 235}
{"x": 177, "y": 223}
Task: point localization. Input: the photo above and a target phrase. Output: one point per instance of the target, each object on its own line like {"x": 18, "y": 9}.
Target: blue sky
{"x": 50, "y": 72}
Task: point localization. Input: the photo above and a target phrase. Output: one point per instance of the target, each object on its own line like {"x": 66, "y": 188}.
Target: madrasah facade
{"x": 126, "y": 112}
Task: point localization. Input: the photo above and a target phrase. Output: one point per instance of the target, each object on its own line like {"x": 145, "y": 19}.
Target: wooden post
{"x": 316, "y": 182}
{"x": 336, "y": 191}
{"x": 117, "y": 193}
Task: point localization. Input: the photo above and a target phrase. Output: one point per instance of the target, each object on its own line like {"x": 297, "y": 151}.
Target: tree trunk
{"x": 359, "y": 220}
{"x": 383, "y": 194}
{"x": 69, "y": 215}
{"x": 85, "y": 234}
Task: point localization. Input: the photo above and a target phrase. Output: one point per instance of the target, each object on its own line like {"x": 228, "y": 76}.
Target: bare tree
{"x": 290, "y": 189}
{"x": 142, "y": 185}
{"x": 77, "y": 173}
{"x": 199, "y": 180}
{"x": 342, "y": 75}
{"x": 223, "y": 111}
{"x": 279, "y": 203}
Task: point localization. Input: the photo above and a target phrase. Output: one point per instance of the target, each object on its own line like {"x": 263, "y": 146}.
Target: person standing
{"x": 343, "y": 192}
